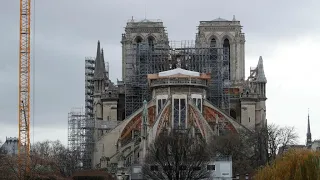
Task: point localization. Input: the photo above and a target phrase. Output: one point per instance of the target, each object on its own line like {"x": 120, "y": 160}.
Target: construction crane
{"x": 24, "y": 87}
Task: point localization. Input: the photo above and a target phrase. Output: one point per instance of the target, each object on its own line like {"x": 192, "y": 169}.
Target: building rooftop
{"x": 220, "y": 19}
{"x": 179, "y": 71}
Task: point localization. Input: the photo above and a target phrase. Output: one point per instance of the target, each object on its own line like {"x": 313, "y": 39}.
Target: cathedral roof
{"x": 179, "y": 71}
{"x": 220, "y": 19}
{"x": 260, "y": 74}
{"x": 146, "y": 20}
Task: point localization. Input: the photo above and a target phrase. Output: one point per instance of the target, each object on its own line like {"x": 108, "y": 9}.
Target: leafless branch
{"x": 177, "y": 156}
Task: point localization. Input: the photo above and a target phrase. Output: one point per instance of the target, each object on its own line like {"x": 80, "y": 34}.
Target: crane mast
{"x": 24, "y": 87}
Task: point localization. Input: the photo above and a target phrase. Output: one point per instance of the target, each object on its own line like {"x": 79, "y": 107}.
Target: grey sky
{"x": 284, "y": 32}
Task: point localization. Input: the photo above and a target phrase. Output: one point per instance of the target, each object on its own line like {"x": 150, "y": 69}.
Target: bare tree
{"x": 251, "y": 150}
{"x": 62, "y": 159}
{"x": 240, "y": 146}
{"x": 280, "y": 137}
{"x": 48, "y": 159}
{"x": 177, "y": 156}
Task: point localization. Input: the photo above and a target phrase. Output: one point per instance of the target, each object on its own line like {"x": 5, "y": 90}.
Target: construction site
{"x": 149, "y": 55}
{"x": 113, "y": 110}
{"x": 150, "y": 59}
{"x": 147, "y": 59}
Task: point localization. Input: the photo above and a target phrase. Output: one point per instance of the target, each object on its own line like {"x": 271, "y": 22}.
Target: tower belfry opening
{"x": 226, "y": 53}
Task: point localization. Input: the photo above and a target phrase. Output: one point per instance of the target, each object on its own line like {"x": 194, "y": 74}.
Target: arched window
{"x": 151, "y": 42}
{"x": 138, "y": 41}
{"x": 226, "y": 55}
{"x": 99, "y": 111}
{"x": 213, "y": 50}
{"x": 213, "y": 42}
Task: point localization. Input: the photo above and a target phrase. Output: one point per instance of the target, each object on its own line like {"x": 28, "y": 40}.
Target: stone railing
{"x": 178, "y": 81}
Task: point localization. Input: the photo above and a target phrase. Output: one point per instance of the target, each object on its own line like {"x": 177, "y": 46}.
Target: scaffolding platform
{"x": 146, "y": 58}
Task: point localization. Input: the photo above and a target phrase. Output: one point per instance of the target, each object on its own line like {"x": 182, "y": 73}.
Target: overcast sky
{"x": 285, "y": 33}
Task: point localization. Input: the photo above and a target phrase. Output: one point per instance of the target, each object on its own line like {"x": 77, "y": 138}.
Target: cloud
{"x": 67, "y": 31}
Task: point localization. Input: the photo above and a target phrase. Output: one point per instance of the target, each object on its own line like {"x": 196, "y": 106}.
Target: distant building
{"x": 313, "y": 145}
{"x": 10, "y": 147}
{"x": 284, "y": 149}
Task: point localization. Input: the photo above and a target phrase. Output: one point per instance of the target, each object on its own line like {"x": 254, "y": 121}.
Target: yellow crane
{"x": 24, "y": 87}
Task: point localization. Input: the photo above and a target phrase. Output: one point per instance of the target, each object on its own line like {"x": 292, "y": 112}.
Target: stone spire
{"x": 260, "y": 72}
{"x": 104, "y": 65}
{"x": 99, "y": 71}
{"x": 309, "y": 139}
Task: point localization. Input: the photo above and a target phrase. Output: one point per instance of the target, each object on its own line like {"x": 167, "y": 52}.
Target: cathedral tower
{"x": 151, "y": 32}
{"x": 227, "y": 35}
{"x": 99, "y": 78}
{"x": 143, "y": 51}
{"x": 105, "y": 97}
{"x": 253, "y": 98}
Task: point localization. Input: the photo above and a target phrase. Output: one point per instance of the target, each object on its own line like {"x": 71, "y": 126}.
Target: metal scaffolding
{"x": 145, "y": 60}
{"x": 80, "y": 124}
{"x": 153, "y": 58}
{"x": 86, "y": 132}
{"x": 80, "y": 136}
{"x": 89, "y": 70}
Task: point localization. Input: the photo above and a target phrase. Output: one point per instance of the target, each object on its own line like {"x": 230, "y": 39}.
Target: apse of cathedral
{"x": 201, "y": 87}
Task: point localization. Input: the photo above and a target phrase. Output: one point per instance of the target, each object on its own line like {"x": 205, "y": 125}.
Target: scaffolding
{"x": 80, "y": 136}
{"x": 80, "y": 123}
{"x": 89, "y": 85}
{"x": 146, "y": 58}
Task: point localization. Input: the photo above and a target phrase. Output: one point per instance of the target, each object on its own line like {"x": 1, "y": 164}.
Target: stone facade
{"x": 149, "y": 31}
{"x": 178, "y": 103}
{"x": 116, "y": 144}
{"x": 215, "y": 33}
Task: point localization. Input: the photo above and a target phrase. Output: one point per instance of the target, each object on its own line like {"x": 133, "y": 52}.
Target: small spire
{"x": 309, "y": 139}
{"x": 102, "y": 59}
{"x": 234, "y": 18}
{"x": 99, "y": 70}
{"x": 145, "y": 116}
{"x": 178, "y": 63}
{"x": 145, "y": 109}
{"x": 260, "y": 72}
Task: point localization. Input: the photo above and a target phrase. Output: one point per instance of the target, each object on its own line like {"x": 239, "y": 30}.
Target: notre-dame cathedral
{"x": 198, "y": 84}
